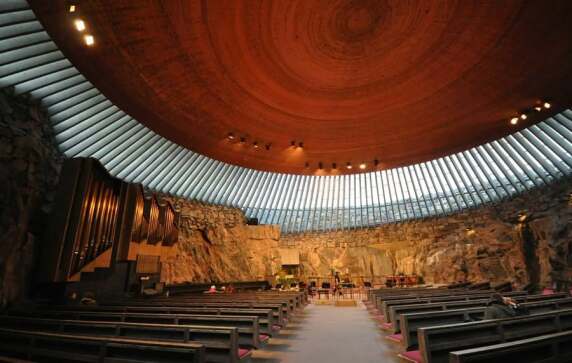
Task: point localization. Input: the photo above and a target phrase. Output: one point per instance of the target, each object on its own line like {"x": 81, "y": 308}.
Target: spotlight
{"x": 547, "y": 105}
{"x": 301, "y": 145}
{"x": 523, "y": 116}
{"x": 537, "y": 108}
{"x": 268, "y": 146}
{"x": 79, "y": 25}
{"x": 320, "y": 165}
{"x": 72, "y": 9}
{"x": 349, "y": 165}
{"x": 514, "y": 120}
{"x": 89, "y": 40}
{"x": 230, "y": 136}
{"x": 362, "y": 166}
{"x": 255, "y": 144}
{"x": 334, "y": 166}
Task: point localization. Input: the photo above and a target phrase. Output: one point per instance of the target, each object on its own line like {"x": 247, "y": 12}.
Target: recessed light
{"x": 547, "y": 105}
{"x": 72, "y": 9}
{"x": 79, "y": 25}
{"x": 89, "y": 40}
{"x": 537, "y": 108}
{"x": 348, "y": 165}
{"x": 255, "y": 144}
{"x": 230, "y": 136}
{"x": 523, "y": 116}
{"x": 362, "y": 166}
{"x": 514, "y": 120}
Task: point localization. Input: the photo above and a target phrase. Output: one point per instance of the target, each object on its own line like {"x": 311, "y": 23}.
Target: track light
{"x": 514, "y": 120}
{"x": 79, "y": 25}
{"x": 89, "y": 40}
{"x": 348, "y": 165}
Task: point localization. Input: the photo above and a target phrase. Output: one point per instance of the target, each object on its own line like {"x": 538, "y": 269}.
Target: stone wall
{"x": 525, "y": 239}
{"x": 30, "y": 165}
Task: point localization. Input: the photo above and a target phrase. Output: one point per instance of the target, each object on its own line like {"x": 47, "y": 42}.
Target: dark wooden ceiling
{"x": 394, "y": 80}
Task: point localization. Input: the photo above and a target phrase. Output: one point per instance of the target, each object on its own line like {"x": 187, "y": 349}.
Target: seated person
{"x": 500, "y": 307}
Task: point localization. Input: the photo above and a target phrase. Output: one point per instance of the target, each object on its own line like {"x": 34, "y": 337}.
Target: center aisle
{"x": 324, "y": 333}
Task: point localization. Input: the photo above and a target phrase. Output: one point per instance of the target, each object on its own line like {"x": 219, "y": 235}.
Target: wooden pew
{"x": 57, "y": 347}
{"x": 549, "y": 348}
{"x": 387, "y": 304}
{"x": 411, "y": 322}
{"x": 265, "y": 316}
{"x": 435, "y": 343}
{"x": 249, "y": 334}
{"x": 221, "y": 343}
{"x": 396, "y": 311}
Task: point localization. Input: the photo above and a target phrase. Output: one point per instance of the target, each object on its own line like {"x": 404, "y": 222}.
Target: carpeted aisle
{"x": 329, "y": 334}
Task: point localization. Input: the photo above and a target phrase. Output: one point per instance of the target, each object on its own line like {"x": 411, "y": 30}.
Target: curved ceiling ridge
{"x": 87, "y": 124}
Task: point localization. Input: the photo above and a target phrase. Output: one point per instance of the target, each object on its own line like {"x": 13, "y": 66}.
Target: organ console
{"x": 95, "y": 212}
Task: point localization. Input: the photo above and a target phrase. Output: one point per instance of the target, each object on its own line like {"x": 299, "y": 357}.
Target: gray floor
{"x": 324, "y": 333}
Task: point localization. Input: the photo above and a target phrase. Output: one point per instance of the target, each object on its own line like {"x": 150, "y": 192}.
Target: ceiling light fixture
{"x": 89, "y": 40}
{"x": 514, "y": 120}
{"x": 255, "y": 144}
{"x": 362, "y": 166}
{"x": 547, "y": 105}
{"x": 523, "y": 116}
{"x": 79, "y": 25}
{"x": 230, "y": 136}
{"x": 72, "y": 9}
{"x": 349, "y": 165}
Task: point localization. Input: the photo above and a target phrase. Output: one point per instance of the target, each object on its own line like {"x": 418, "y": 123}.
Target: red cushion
{"x": 387, "y": 326}
{"x": 242, "y": 352}
{"x": 263, "y": 337}
{"x": 395, "y": 337}
{"x": 412, "y": 356}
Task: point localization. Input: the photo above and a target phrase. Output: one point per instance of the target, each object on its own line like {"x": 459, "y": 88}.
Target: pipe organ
{"x": 94, "y": 213}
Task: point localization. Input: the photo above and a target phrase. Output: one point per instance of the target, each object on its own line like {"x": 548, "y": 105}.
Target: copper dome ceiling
{"x": 397, "y": 81}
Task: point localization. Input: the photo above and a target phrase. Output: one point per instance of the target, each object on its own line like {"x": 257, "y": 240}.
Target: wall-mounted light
{"x": 89, "y": 40}
{"x": 79, "y": 25}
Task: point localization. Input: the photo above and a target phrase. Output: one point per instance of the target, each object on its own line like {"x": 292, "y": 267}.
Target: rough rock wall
{"x": 526, "y": 239}
{"x": 30, "y": 166}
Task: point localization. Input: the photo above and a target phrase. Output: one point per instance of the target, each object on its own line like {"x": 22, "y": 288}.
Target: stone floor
{"x": 328, "y": 334}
